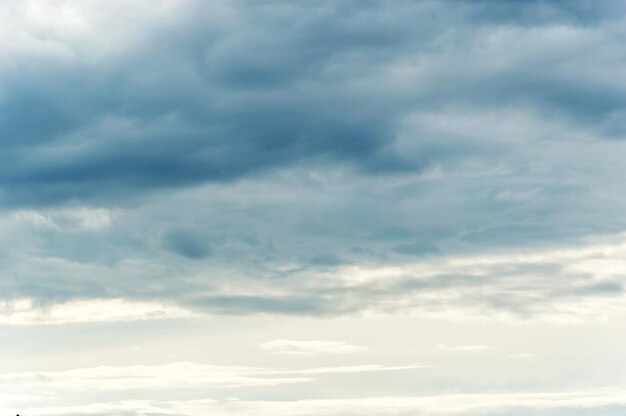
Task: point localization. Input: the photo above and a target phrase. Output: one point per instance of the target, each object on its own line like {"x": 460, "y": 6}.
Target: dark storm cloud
{"x": 224, "y": 156}
{"x": 223, "y": 103}
{"x": 187, "y": 243}
{"x": 277, "y": 83}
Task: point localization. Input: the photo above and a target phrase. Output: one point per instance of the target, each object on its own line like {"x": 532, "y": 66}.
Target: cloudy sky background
{"x": 312, "y": 208}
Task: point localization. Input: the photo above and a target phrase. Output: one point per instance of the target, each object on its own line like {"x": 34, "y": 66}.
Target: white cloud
{"x": 521, "y": 356}
{"x": 68, "y": 29}
{"x": 360, "y": 369}
{"x": 583, "y": 402}
{"x": 68, "y": 219}
{"x": 465, "y": 348}
{"x": 185, "y": 375}
{"x": 558, "y": 284}
{"x": 35, "y": 218}
{"x": 26, "y": 312}
{"x": 285, "y": 346}
{"x": 91, "y": 218}
{"x": 159, "y": 377}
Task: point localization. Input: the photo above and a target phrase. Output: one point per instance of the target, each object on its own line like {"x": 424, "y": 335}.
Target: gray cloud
{"x": 187, "y": 243}
{"x": 197, "y": 147}
{"x": 272, "y": 84}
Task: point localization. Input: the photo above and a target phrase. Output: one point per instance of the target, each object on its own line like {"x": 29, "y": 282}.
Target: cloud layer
{"x": 247, "y": 157}
{"x": 313, "y": 196}
{"x": 286, "y": 346}
{"x": 578, "y": 403}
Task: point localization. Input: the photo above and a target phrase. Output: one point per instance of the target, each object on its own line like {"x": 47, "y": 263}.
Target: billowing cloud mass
{"x": 180, "y": 150}
{"x": 216, "y": 170}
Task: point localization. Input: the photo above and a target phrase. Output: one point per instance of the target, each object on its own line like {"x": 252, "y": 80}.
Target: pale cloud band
{"x": 465, "y": 348}
{"x": 285, "y": 346}
{"x": 580, "y": 403}
{"x": 564, "y": 284}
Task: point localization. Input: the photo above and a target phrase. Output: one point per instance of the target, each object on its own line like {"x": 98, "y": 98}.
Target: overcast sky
{"x": 312, "y": 207}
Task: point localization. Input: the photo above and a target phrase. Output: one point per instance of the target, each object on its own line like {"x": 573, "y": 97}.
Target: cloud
{"x": 465, "y": 348}
{"x": 558, "y": 284}
{"x": 578, "y": 403}
{"x": 164, "y": 162}
{"x": 207, "y": 112}
{"x": 278, "y": 158}
{"x": 182, "y": 375}
{"x": 186, "y": 243}
{"x": 522, "y": 356}
{"x": 171, "y": 376}
{"x": 360, "y": 369}
{"x": 285, "y": 346}
{"x": 68, "y": 219}
{"x": 26, "y": 312}
{"x": 84, "y": 121}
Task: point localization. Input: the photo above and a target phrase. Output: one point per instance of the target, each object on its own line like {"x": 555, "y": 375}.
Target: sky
{"x": 312, "y": 207}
